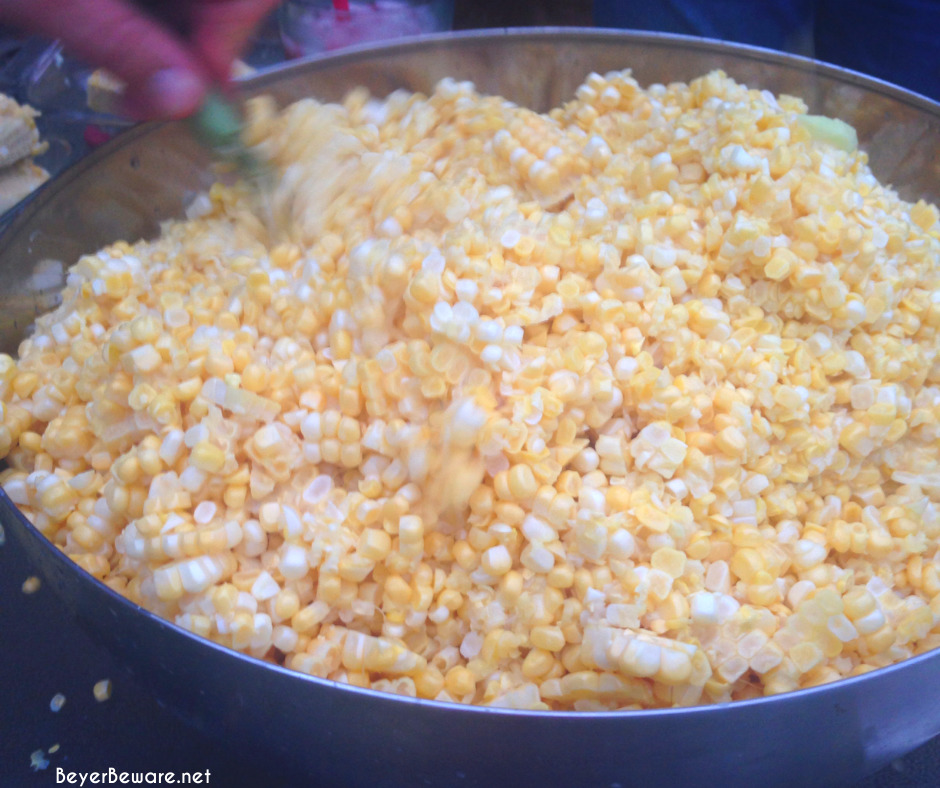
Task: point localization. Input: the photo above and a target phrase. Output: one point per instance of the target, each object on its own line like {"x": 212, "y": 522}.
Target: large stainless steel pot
{"x": 338, "y": 735}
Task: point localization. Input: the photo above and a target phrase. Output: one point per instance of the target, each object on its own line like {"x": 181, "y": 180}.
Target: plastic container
{"x": 309, "y": 27}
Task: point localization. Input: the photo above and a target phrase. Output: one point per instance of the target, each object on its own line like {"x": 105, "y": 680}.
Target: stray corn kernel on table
{"x": 628, "y": 405}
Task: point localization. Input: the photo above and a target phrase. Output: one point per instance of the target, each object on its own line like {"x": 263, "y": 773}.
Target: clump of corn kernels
{"x": 632, "y": 404}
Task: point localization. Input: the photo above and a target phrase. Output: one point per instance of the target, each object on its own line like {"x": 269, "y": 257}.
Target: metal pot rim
{"x": 35, "y": 203}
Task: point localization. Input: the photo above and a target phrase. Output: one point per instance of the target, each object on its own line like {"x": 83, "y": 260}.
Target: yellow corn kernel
{"x": 670, "y": 561}
{"x": 855, "y": 438}
{"x": 537, "y": 663}
{"x": 547, "y": 638}
{"x": 459, "y": 681}
{"x": 880, "y": 641}
{"x": 102, "y": 690}
{"x": 806, "y": 656}
{"x": 746, "y": 563}
{"x": 465, "y": 556}
{"x": 560, "y": 576}
{"x": 429, "y": 682}
{"x": 496, "y": 561}
{"x": 521, "y": 482}
{"x": 731, "y": 441}
{"x": 781, "y": 263}
{"x": 374, "y": 544}
{"x": 207, "y": 457}
{"x": 341, "y": 344}
{"x": 305, "y": 619}
{"x": 924, "y": 215}
{"x": 286, "y": 603}
{"x": 398, "y": 590}
{"x": 254, "y": 378}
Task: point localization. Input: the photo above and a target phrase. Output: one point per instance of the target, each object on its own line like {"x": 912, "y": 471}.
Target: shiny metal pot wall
{"x": 340, "y": 735}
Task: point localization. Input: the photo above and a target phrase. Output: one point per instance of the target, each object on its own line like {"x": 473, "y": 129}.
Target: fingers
{"x": 164, "y": 79}
{"x": 222, "y": 28}
{"x": 166, "y": 76}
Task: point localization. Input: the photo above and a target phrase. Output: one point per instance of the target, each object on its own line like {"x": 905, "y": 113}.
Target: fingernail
{"x": 174, "y": 92}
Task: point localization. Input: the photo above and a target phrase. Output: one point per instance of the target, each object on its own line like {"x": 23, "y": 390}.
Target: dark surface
{"x": 43, "y": 652}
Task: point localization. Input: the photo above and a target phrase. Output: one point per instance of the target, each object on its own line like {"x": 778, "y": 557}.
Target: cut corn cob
{"x": 19, "y": 137}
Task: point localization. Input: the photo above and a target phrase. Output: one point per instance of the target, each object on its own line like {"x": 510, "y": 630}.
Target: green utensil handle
{"x": 218, "y": 125}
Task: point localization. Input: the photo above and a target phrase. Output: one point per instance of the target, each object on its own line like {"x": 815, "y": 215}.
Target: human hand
{"x": 167, "y": 72}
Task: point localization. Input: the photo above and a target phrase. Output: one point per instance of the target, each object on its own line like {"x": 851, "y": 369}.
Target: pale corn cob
{"x": 19, "y": 136}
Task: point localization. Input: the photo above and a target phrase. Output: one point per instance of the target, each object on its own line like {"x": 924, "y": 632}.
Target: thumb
{"x": 163, "y": 79}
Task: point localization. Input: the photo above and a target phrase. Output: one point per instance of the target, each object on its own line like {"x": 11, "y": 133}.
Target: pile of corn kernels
{"x": 633, "y": 404}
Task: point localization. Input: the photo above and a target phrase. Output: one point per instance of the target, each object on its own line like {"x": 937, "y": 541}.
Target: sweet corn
{"x": 102, "y": 690}
{"x": 562, "y": 411}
